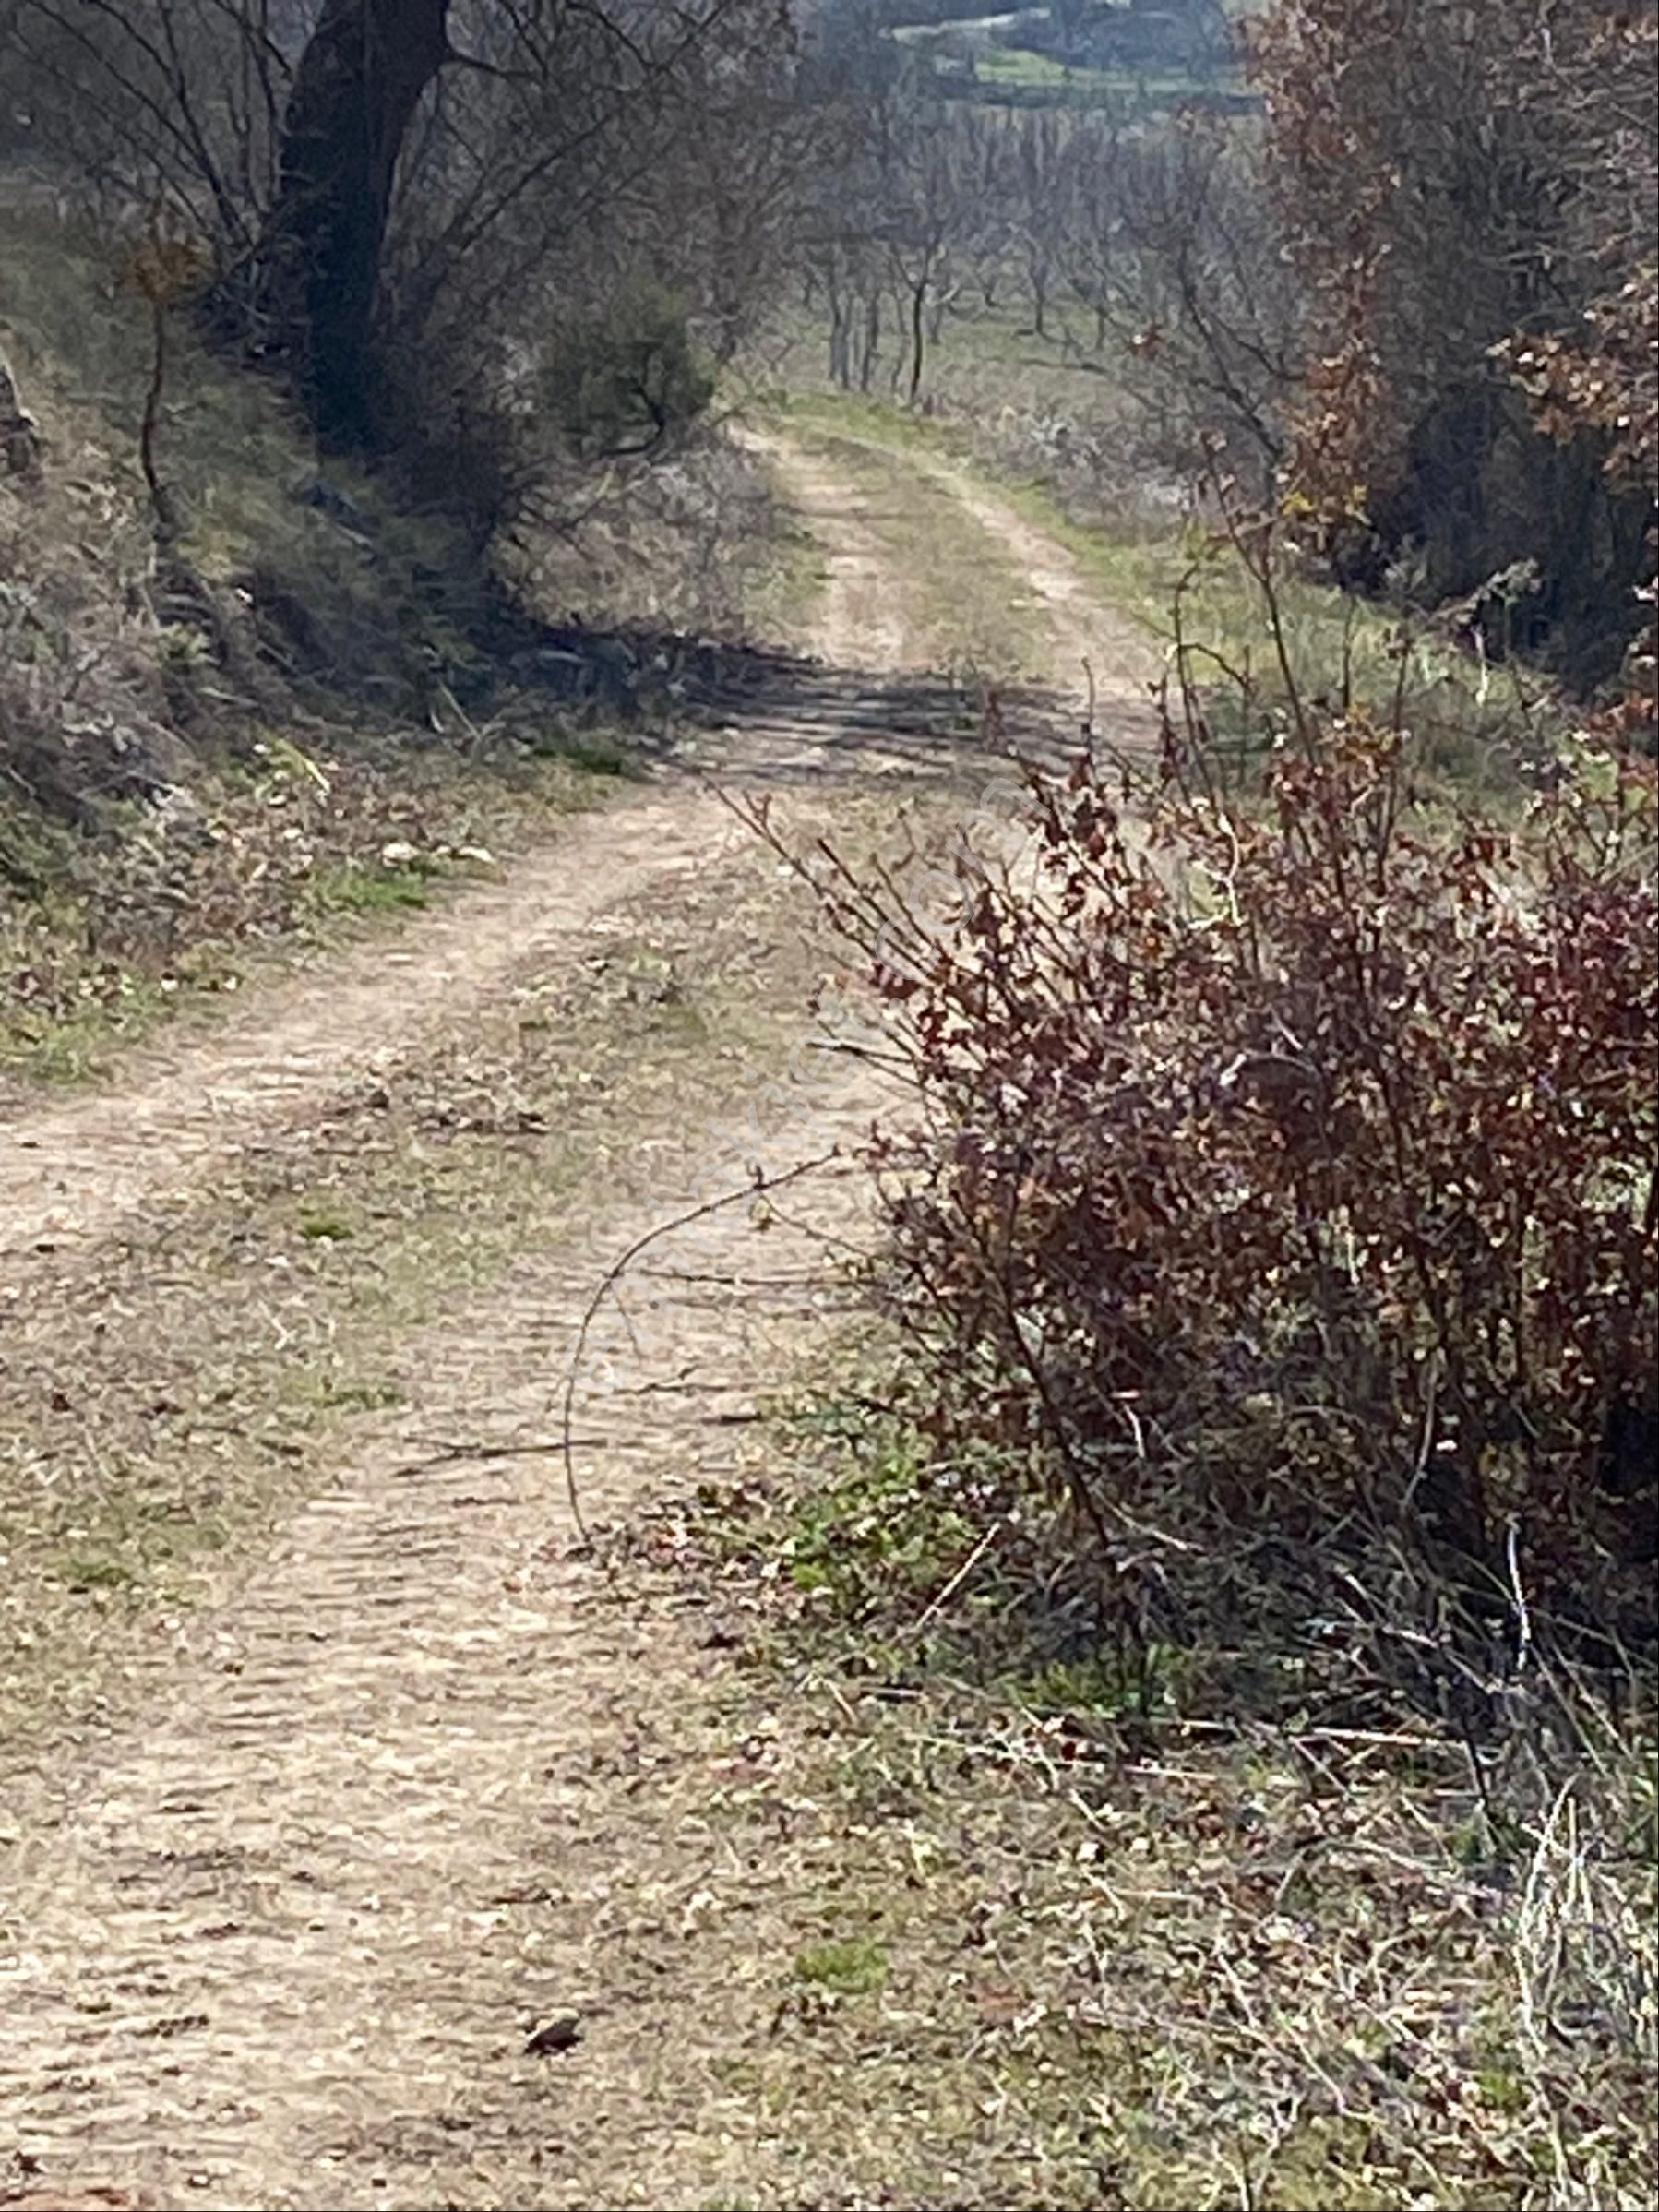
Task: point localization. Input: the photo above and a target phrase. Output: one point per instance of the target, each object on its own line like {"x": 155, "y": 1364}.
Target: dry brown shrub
{"x": 1281, "y": 1172}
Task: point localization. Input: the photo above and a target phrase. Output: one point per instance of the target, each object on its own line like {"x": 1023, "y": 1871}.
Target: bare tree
{"x": 378, "y": 177}
{"x": 913, "y": 196}
{"x": 1170, "y": 242}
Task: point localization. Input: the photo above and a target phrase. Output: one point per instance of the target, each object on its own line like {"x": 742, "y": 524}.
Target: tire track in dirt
{"x": 1121, "y": 662}
{"x": 413, "y": 1784}
{"x": 69, "y": 1172}
{"x": 284, "y": 1945}
{"x": 862, "y": 622}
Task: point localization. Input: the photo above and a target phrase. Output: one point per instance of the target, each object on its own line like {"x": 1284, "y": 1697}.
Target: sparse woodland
{"x": 1266, "y": 1322}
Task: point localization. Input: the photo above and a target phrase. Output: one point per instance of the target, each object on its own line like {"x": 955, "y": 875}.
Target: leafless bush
{"x": 673, "y": 543}
{"x": 181, "y": 99}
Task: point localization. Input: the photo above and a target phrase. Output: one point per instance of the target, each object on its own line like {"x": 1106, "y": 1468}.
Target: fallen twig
{"x": 757, "y": 1187}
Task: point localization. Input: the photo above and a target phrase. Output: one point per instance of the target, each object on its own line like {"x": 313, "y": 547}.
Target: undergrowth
{"x": 1217, "y": 1923}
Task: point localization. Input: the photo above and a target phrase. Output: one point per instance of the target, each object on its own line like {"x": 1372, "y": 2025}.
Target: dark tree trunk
{"x": 871, "y": 349}
{"x": 918, "y": 337}
{"x": 359, "y": 82}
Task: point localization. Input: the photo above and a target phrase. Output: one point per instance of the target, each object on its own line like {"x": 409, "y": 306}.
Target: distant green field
{"x": 1016, "y": 66}
{"x": 973, "y": 56}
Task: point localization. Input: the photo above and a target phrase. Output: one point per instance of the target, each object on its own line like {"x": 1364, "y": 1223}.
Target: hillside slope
{"x": 224, "y": 697}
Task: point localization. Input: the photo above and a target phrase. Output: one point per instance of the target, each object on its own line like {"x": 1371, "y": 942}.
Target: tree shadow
{"x": 785, "y": 714}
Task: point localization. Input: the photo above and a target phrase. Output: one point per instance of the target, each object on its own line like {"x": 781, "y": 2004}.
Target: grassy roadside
{"x": 275, "y": 858}
{"x": 202, "y": 758}
{"x": 1473, "y": 724}
{"x": 1066, "y": 1938}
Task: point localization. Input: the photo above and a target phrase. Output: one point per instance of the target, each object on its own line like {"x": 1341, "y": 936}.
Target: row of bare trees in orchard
{"x": 1151, "y": 248}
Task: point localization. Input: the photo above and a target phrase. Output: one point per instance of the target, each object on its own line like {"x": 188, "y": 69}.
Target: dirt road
{"x": 282, "y": 1909}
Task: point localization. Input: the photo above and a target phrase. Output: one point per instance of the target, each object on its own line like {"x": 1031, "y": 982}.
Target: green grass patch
{"x": 882, "y": 1530}
{"x": 134, "y": 1544}
{"x": 83, "y": 1570}
{"x": 70, "y": 1043}
{"x": 1473, "y": 725}
{"x": 846, "y": 1965}
{"x": 321, "y": 1224}
{"x": 1161, "y": 1959}
{"x": 1104, "y": 1686}
{"x": 347, "y": 1395}
{"x": 1018, "y": 69}
{"x": 594, "y": 753}
{"x": 370, "y": 888}
{"x": 877, "y": 422}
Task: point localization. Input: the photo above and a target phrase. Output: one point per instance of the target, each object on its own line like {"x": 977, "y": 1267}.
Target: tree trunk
{"x": 359, "y": 82}
{"x": 871, "y": 350}
{"x": 840, "y": 344}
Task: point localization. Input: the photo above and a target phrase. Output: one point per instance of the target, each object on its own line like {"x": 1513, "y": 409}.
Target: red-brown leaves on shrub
{"x": 1286, "y": 1157}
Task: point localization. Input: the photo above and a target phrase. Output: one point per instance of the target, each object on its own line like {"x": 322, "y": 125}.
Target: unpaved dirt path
{"x": 861, "y": 623}
{"x": 1097, "y": 658}
{"x": 284, "y": 1945}
{"x": 1117, "y": 663}
{"x": 68, "y": 1174}
{"x": 418, "y": 1778}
